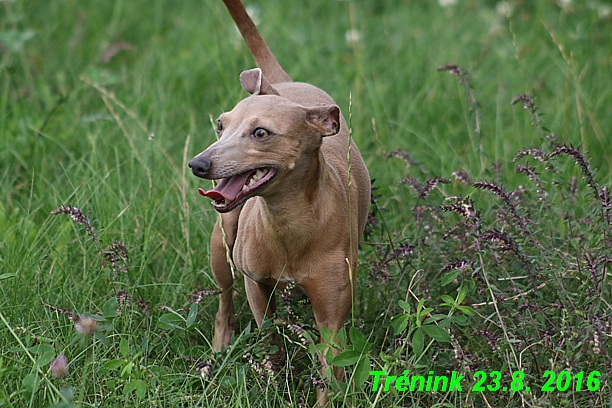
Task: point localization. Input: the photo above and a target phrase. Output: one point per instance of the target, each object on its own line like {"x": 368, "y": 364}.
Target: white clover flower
{"x": 448, "y": 3}
{"x": 352, "y": 37}
{"x": 604, "y": 11}
{"x": 504, "y": 7}
{"x": 86, "y": 325}
{"x": 59, "y": 367}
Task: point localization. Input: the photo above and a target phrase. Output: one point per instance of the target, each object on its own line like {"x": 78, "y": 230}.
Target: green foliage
{"x": 488, "y": 249}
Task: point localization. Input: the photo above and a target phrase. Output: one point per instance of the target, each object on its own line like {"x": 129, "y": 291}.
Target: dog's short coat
{"x": 290, "y": 208}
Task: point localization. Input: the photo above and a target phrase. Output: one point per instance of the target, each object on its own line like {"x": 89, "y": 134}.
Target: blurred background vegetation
{"x": 103, "y": 103}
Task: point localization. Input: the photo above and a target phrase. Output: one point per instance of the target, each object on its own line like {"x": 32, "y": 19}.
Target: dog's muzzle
{"x": 200, "y": 166}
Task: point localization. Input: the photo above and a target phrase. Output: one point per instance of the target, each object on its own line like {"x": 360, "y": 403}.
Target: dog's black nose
{"x": 200, "y": 166}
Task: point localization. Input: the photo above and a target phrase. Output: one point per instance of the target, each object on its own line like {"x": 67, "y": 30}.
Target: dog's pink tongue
{"x": 227, "y": 188}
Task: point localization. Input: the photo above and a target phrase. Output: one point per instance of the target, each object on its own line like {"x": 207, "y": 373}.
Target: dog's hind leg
{"x": 226, "y": 317}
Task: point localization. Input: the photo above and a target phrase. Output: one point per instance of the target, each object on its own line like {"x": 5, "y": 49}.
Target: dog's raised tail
{"x": 264, "y": 58}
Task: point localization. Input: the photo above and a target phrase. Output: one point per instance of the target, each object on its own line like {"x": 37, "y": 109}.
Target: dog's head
{"x": 266, "y": 138}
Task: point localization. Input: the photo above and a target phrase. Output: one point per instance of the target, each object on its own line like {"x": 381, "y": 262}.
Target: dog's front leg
{"x": 226, "y": 317}
{"x": 261, "y": 299}
{"x": 263, "y": 303}
{"x": 332, "y": 299}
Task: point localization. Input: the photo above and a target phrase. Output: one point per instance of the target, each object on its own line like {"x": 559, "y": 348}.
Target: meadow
{"x": 485, "y": 126}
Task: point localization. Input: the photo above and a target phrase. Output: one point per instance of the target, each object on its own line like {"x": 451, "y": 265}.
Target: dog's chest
{"x": 269, "y": 254}
{"x": 264, "y": 258}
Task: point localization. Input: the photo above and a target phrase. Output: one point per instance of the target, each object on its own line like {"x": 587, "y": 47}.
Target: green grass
{"x": 511, "y": 275}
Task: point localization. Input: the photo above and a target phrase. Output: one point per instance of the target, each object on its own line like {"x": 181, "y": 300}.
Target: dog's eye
{"x": 261, "y": 133}
{"x": 219, "y": 126}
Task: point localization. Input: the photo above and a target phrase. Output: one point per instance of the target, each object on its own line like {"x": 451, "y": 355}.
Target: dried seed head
{"x": 380, "y": 270}
{"x": 604, "y": 194}
{"x": 122, "y": 300}
{"x": 317, "y": 382}
{"x": 403, "y": 155}
{"x": 205, "y": 371}
{"x": 404, "y": 251}
{"x": 297, "y": 329}
{"x": 78, "y": 217}
{"x": 414, "y": 184}
{"x": 263, "y": 368}
{"x": 458, "y": 264}
{"x": 372, "y": 220}
{"x": 453, "y": 69}
{"x": 462, "y": 177}
{"x": 533, "y": 176}
{"x": 116, "y": 254}
{"x": 580, "y": 161}
{"x": 498, "y": 191}
{"x": 115, "y": 48}
{"x": 73, "y": 212}
{"x": 528, "y": 101}
{"x": 71, "y": 316}
{"x": 287, "y": 293}
{"x": 506, "y": 242}
{"x": 302, "y": 400}
{"x": 199, "y": 295}
{"x": 529, "y": 171}
{"x": 535, "y": 153}
{"x": 431, "y": 184}
{"x": 143, "y": 305}
{"x": 462, "y": 206}
{"x": 529, "y": 105}
{"x": 491, "y": 338}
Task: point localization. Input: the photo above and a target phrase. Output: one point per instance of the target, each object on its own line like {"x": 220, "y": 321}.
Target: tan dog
{"x": 290, "y": 208}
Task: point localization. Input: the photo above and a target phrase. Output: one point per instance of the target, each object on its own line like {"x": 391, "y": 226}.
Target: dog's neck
{"x": 278, "y": 211}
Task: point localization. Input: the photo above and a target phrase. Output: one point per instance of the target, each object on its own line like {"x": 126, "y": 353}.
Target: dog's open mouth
{"x": 232, "y": 191}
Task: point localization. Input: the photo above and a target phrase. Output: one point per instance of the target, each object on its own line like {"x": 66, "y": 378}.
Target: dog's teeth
{"x": 221, "y": 203}
{"x": 258, "y": 174}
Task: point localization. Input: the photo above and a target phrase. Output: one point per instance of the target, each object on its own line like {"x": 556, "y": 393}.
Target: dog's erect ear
{"x": 255, "y": 83}
{"x": 325, "y": 118}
